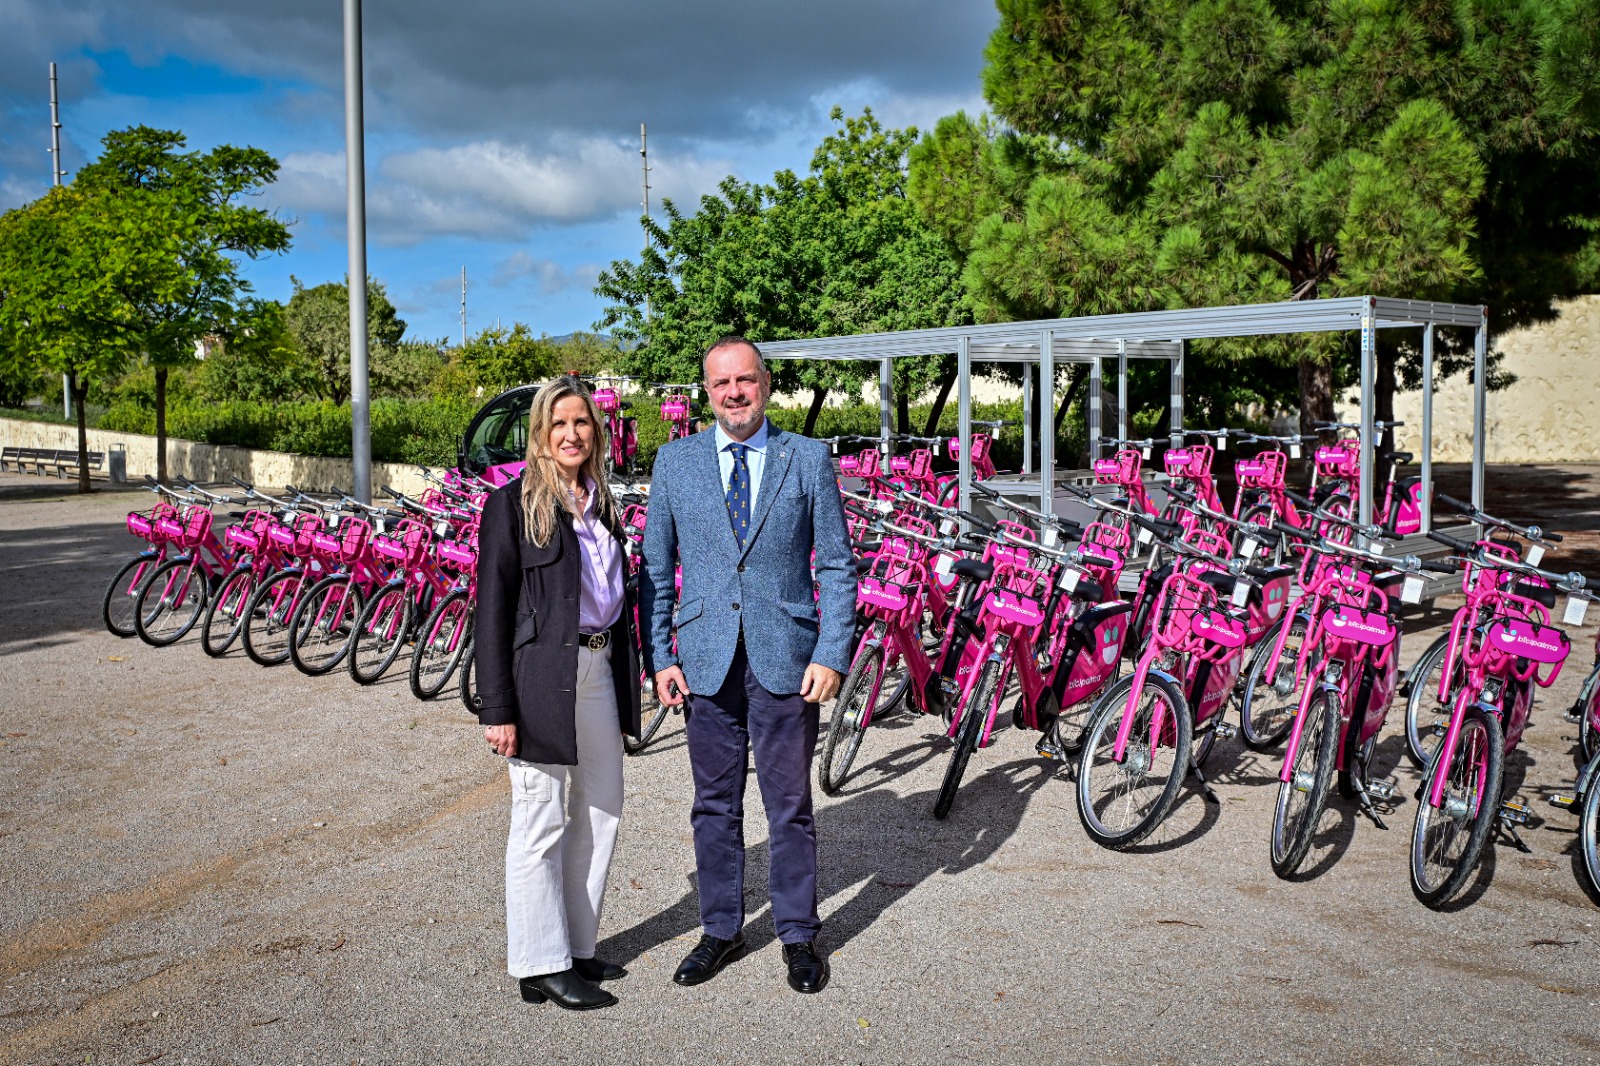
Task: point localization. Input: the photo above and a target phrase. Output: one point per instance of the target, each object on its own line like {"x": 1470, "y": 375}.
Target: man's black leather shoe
{"x": 597, "y": 970}
{"x": 808, "y": 971}
{"x": 708, "y": 957}
{"x": 567, "y": 990}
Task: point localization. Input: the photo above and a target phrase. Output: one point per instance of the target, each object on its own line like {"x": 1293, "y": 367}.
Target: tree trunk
{"x": 1383, "y": 396}
{"x": 939, "y": 401}
{"x": 818, "y": 395}
{"x": 80, "y": 394}
{"x": 1075, "y": 377}
{"x": 161, "y": 424}
{"x": 1316, "y": 393}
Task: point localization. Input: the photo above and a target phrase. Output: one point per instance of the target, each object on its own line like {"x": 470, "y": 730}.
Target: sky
{"x": 502, "y": 137}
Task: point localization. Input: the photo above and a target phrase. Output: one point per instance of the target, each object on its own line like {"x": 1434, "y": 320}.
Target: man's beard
{"x": 754, "y": 415}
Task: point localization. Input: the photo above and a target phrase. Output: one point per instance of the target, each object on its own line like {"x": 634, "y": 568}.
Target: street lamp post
{"x": 356, "y": 227}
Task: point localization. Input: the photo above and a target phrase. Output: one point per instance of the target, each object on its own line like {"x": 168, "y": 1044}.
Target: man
{"x": 743, "y": 508}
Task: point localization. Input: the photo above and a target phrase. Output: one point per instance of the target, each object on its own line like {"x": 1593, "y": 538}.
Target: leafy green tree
{"x": 259, "y": 362}
{"x": 839, "y": 251}
{"x": 56, "y": 313}
{"x": 1168, "y": 153}
{"x": 319, "y": 320}
{"x": 166, "y": 230}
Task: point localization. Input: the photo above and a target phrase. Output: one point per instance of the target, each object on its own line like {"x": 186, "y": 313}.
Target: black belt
{"x": 596, "y": 641}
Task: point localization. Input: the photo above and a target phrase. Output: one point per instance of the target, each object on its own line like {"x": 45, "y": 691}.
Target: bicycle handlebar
{"x": 1533, "y": 533}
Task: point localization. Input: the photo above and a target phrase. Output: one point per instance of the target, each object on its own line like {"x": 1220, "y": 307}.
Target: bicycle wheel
{"x": 1266, "y": 709}
{"x": 968, "y": 732}
{"x": 1121, "y": 803}
{"x": 1589, "y": 832}
{"x": 170, "y": 603}
{"x": 324, "y": 624}
{"x": 381, "y": 633}
{"x": 225, "y": 614}
{"x": 468, "y": 689}
{"x": 1589, "y": 725}
{"x": 1447, "y": 840}
{"x": 1424, "y": 710}
{"x": 123, "y": 593}
{"x": 849, "y": 722}
{"x": 441, "y": 642}
{"x": 1302, "y": 797}
{"x": 266, "y": 618}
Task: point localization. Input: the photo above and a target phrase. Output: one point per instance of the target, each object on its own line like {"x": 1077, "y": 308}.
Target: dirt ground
{"x": 202, "y": 861}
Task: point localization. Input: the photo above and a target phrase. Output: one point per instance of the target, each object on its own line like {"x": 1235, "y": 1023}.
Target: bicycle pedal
{"x": 1225, "y": 730}
{"x": 1513, "y": 814}
{"x": 1050, "y": 750}
{"x": 1573, "y": 715}
{"x": 1440, "y": 728}
{"x": 1562, "y": 801}
{"x": 1382, "y": 790}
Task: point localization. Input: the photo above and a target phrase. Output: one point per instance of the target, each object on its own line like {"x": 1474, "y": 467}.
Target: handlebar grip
{"x": 1390, "y": 536}
{"x": 1303, "y": 501}
{"x": 1451, "y": 501}
{"x": 1290, "y": 531}
{"x": 968, "y": 516}
{"x": 1440, "y": 566}
{"x": 1555, "y": 537}
{"x": 971, "y": 547}
{"x": 1448, "y": 541}
{"x": 390, "y": 491}
{"x": 1186, "y": 497}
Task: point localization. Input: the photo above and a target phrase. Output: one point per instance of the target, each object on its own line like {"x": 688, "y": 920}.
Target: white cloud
{"x": 547, "y": 274}
{"x": 491, "y": 189}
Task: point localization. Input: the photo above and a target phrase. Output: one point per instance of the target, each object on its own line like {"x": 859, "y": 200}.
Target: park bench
{"x": 40, "y": 461}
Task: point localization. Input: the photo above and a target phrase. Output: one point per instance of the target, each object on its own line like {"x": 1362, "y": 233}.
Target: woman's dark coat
{"x": 527, "y": 633}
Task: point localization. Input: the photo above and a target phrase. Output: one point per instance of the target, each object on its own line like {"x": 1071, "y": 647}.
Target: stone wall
{"x": 207, "y": 463}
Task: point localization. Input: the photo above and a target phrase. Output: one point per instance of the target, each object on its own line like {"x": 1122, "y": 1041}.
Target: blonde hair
{"x": 542, "y": 487}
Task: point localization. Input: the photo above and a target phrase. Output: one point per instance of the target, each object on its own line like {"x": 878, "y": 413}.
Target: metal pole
{"x": 1047, "y": 437}
{"x": 56, "y": 174}
{"x": 356, "y": 231}
{"x": 1122, "y": 389}
{"x": 885, "y": 402}
{"x": 1427, "y": 427}
{"x": 644, "y": 162}
{"x": 1028, "y": 387}
{"x": 1369, "y": 370}
{"x": 1176, "y": 421}
{"x": 964, "y": 421}
{"x": 463, "y": 305}
{"x": 1095, "y": 385}
{"x": 1480, "y": 411}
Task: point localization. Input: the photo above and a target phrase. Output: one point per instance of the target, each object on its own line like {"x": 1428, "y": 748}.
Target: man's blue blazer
{"x": 765, "y": 590}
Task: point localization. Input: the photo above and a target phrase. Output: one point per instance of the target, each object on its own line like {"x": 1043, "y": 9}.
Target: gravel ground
{"x": 207, "y": 862}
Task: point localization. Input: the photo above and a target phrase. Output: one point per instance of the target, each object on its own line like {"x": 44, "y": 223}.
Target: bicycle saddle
{"x": 976, "y": 569}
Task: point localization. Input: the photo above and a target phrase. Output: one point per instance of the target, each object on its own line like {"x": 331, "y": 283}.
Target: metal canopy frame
{"x": 1163, "y": 335}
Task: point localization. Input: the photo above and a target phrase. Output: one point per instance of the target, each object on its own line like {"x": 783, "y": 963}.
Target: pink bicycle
{"x": 323, "y": 625}
{"x": 621, "y": 429}
{"x": 175, "y": 597}
{"x": 123, "y": 592}
{"x": 677, "y": 408}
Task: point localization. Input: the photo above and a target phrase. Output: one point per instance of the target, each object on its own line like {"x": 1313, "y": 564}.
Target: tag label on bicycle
{"x": 1577, "y": 609}
{"x": 1222, "y": 442}
{"x": 833, "y": 447}
{"x": 1145, "y": 536}
{"x": 1294, "y": 450}
{"x": 1248, "y": 548}
{"x": 1241, "y": 593}
{"x": 1535, "y": 554}
{"x": 1145, "y": 454}
{"x": 947, "y": 527}
{"x": 1068, "y": 580}
{"x": 883, "y": 506}
{"x": 943, "y": 565}
{"x": 936, "y": 449}
{"x": 1411, "y": 590}
{"x": 1052, "y": 536}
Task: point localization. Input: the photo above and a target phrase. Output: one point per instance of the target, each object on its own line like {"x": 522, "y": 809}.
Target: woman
{"x": 558, "y": 685}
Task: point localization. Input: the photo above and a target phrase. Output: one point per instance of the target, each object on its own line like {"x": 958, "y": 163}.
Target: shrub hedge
{"x": 429, "y": 431}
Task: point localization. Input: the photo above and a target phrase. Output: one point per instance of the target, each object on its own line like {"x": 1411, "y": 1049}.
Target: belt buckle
{"x": 597, "y": 641}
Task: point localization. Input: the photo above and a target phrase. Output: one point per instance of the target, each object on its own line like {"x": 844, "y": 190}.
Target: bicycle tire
{"x": 1589, "y": 832}
{"x": 319, "y": 640}
{"x": 225, "y": 614}
{"x": 441, "y": 643}
{"x": 1475, "y": 768}
{"x": 118, "y": 605}
{"x": 1422, "y": 699}
{"x": 379, "y": 636}
{"x": 968, "y": 733}
{"x": 850, "y": 714}
{"x": 1096, "y": 766}
{"x": 652, "y": 715}
{"x": 266, "y": 621}
{"x": 181, "y": 594}
{"x": 1294, "y": 824}
{"x": 1266, "y": 710}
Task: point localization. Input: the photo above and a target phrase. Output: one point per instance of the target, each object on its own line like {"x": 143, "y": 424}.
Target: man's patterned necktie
{"x": 739, "y": 493}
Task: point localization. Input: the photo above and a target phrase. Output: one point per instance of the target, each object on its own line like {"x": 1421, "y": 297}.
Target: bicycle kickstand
{"x": 1205, "y": 786}
{"x": 1510, "y": 816}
